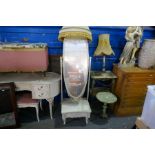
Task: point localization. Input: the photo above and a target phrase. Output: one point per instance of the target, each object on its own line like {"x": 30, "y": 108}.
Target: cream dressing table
{"x": 42, "y": 87}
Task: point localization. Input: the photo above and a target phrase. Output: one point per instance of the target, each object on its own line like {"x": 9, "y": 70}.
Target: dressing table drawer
{"x": 40, "y": 91}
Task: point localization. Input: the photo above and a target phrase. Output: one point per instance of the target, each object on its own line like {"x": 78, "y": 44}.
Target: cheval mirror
{"x": 75, "y": 70}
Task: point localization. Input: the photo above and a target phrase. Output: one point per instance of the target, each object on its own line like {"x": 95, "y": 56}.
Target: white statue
{"x": 133, "y": 36}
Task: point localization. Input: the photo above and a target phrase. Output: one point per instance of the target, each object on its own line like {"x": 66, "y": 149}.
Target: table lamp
{"x": 103, "y": 48}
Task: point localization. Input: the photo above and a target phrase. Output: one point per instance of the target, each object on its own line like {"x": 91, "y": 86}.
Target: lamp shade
{"x": 104, "y": 47}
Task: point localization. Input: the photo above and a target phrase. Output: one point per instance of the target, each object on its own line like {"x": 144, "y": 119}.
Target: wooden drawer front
{"x": 134, "y": 94}
{"x": 132, "y": 101}
{"x": 127, "y": 111}
{"x": 41, "y": 91}
{"x": 143, "y": 75}
{"x": 140, "y": 77}
{"x": 136, "y": 91}
{"x": 135, "y": 88}
{"x": 143, "y": 84}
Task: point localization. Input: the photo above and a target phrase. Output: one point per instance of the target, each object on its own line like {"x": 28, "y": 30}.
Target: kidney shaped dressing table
{"x": 42, "y": 87}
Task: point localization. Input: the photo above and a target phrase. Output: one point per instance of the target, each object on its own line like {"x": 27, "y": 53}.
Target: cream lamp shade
{"x": 104, "y": 47}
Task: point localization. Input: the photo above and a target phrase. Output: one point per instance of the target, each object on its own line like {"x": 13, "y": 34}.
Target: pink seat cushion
{"x": 26, "y": 98}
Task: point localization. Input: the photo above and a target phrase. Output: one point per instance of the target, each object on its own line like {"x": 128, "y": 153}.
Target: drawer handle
{"x": 40, "y": 95}
{"x": 41, "y": 87}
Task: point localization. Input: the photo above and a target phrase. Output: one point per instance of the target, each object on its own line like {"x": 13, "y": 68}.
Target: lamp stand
{"x": 103, "y": 64}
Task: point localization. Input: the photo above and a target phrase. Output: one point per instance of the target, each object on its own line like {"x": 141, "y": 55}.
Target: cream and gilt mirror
{"x": 75, "y": 59}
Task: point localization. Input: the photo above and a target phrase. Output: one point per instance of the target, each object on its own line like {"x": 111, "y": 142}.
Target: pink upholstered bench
{"x": 25, "y": 100}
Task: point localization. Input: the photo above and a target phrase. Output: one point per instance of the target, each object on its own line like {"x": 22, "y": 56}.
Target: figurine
{"x": 133, "y": 36}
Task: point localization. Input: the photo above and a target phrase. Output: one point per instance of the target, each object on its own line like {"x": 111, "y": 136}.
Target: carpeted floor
{"x": 111, "y": 123}
{"x": 28, "y": 120}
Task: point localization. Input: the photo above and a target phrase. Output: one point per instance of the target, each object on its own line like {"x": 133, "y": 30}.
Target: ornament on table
{"x": 133, "y": 36}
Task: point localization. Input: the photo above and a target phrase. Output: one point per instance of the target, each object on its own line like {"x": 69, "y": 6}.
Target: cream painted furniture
{"x": 42, "y": 87}
{"x": 76, "y": 110}
{"x": 75, "y": 70}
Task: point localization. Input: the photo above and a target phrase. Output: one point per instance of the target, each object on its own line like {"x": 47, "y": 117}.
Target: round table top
{"x": 106, "y": 97}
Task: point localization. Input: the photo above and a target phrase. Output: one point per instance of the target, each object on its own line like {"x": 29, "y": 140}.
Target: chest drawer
{"x": 40, "y": 91}
{"x": 136, "y": 85}
{"x": 131, "y": 88}
{"x": 132, "y": 101}
{"x": 140, "y": 77}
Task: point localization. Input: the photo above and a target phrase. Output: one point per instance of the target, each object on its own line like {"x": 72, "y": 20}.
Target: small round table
{"x": 106, "y": 98}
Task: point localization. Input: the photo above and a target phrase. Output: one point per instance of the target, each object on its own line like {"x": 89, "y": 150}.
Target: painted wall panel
{"x": 49, "y": 35}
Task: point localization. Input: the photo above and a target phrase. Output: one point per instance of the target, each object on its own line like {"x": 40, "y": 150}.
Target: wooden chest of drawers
{"x": 130, "y": 88}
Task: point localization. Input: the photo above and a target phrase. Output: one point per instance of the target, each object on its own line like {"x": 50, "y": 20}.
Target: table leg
{"x": 113, "y": 84}
{"x": 50, "y": 101}
{"x": 40, "y": 104}
{"x": 37, "y": 112}
{"x": 104, "y": 110}
{"x": 93, "y": 84}
{"x": 86, "y": 120}
{"x": 64, "y": 119}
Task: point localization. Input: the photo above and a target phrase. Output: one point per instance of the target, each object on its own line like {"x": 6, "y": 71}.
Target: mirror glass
{"x": 75, "y": 66}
